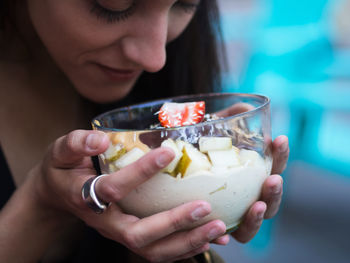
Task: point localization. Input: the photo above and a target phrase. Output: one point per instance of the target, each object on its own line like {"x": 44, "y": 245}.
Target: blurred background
{"x": 298, "y": 54}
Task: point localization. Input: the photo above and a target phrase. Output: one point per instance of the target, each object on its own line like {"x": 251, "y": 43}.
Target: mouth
{"x": 118, "y": 74}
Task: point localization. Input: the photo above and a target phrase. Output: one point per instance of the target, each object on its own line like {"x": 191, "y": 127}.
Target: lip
{"x": 118, "y": 74}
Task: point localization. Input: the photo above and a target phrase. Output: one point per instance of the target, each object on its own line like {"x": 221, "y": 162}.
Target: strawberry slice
{"x": 173, "y": 114}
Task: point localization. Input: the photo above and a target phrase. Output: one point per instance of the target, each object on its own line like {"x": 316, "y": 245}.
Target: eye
{"x": 187, "y": 6}
{"x": 111, "y": 10}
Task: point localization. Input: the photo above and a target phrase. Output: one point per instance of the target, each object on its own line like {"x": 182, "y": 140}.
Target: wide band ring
{"x": 89, "y": 195}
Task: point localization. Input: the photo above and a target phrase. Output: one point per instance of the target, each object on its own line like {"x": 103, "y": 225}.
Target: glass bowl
{"x": 223, "y": 160}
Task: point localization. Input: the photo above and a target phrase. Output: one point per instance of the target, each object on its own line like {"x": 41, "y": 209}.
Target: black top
{"x": 7, "y": 186}
{"x": 92, "y": 248}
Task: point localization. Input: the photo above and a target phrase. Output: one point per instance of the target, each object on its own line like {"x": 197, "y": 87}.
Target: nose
{"x": 145, "y": 44}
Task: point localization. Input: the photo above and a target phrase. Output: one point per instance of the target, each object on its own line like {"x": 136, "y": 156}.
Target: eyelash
{"x": 117, "y": 16}
{"x": 187, "y": 7}
{"x": 109, "y": 15}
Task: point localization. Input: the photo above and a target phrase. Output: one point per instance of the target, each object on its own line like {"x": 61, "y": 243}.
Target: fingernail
{"x": 260, "y": 215}
{"x": 215, "y": 232}
{"x": 277, "y": 189}
{"x": 93, "y": 141}
{"x": 283, "y": 147}
{"x": 200, "y": 212}
{"x": 163, "y": 159}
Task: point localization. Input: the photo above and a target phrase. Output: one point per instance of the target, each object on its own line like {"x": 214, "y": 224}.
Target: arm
{"x": 26, "y": 227}
{"x": 51, "y": 197}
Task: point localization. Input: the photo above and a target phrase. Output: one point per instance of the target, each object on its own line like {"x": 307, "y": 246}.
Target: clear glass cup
{"x": 223, "y": 161}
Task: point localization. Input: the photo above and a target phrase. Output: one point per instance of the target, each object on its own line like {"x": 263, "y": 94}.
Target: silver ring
{"x": 89, "y": 195}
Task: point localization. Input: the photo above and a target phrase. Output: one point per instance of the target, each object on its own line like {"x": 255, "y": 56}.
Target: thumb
{"x": 72, "y": 148}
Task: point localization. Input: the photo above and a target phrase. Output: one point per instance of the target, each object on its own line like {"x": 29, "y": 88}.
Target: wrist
{"x": 43, "y": 201}
{"x": 25, "y": 218}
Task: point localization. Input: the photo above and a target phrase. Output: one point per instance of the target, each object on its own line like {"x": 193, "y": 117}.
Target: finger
{"x": 73, "y": 148}
{"x": 251, "y": 223}
{"x": 194, "y": 252}
{"x": 235, "y": 109}
{"x": 181, "y": 243}
{"x": 272, "y": 191}
{"x": 111, "y": 223}
{"x": 147, "y": 230}
{"x": 223, "y": 240}
{"x": 280, "y": 153}
{"x": 116, "y": 186}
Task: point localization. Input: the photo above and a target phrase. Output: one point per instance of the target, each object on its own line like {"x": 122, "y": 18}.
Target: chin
{"x": 106, "y": 98}
{"x": 104, "y": 95}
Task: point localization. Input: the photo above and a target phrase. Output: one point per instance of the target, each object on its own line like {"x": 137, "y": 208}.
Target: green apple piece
{"x": 192, "y": 161}
{"x": 114, "y": 152}
{"x": 178, "y": 154}
{"x": 128, "y": 158}
{"x": 224, "y": 158}
{"x": 250, "y": 158}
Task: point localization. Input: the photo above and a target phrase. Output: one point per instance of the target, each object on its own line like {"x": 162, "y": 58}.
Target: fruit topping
{"x": 210, "y": 155}
{"x": 173, "y": 114}
{"x": 178, "y": 154}
{"x": 224, "y": 158}
{"x": 129, "y": 157}
{"x": 114, "y": 152}
{"x": 192, "y": 161}
{"x": 214, "y": 143}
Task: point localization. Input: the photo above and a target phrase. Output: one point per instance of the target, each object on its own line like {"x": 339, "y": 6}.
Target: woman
{"x": 61, "y": 60}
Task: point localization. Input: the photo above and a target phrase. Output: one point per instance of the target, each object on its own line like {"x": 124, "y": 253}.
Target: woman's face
{"x": 104, "y": 45}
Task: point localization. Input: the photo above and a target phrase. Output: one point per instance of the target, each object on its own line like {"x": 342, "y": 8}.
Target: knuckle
{"x": 150, "y": 257}
{"x": 272, "y": 209}
{"x": 270, "y": 214}
{"x": 153, "y": 257}
{"x": 193, "y": 243}
{"x": 72, "y": 139}
{"x": 283, "y": 157}
{"x": 111, "y": 193}
{"x": 175, "y": 220}
{"x": 132, "y": 240}
{"x": 243, "y": 236}
{"x": 146, "y": 168}
{"x": 77, "y": 201}
{"x": 54, "y": 148}
{"x": 243, "y": 240}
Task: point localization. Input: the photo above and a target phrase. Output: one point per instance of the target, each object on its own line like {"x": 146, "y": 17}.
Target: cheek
{"x": 177, "y": 24}
{"x": 74, "y": 38}
{"x": 66, "y": 28}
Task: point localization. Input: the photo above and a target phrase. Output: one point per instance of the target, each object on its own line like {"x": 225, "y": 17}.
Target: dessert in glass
{"x": 222, "y": 146}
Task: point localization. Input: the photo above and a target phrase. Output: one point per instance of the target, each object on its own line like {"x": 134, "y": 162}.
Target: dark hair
{"x": 6, "y": 13}
{"x": 193, "y": 63}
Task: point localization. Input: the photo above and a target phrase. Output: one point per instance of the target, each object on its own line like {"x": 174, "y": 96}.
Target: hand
{"x": 161, "y": 237}
{"x": 271, "y": 196}
{"x": 272, "y": 190}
